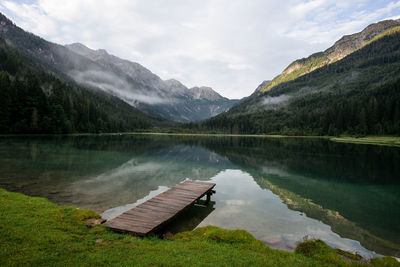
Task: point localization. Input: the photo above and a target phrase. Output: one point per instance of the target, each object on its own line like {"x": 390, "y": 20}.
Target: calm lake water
{"x": 281, "y": 190}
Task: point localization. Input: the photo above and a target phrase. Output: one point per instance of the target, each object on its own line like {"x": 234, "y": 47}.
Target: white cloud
{"x": 239, "y": 66}
{"x": 275, "y": 100}
{"x": 325, "y": 21}
{"x": 230, "y": 45}
{"x": 394, "y": 17}
{"x": 302, "y": 9}
{"x": 117, "y": 86}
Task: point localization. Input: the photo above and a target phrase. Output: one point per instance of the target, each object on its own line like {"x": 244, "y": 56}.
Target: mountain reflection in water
{"x": 278, "y": 189}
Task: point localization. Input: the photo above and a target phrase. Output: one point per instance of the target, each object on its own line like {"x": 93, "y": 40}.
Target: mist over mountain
{"x": 352, "y": 88}
{"x": 146, "y": 91}
{"x": 38, "y": 98}
{"x": 262, "y": 100}
{"x": 129, "y": 81}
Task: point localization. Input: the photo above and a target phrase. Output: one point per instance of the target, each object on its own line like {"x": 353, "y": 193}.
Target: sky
{"x": 229, "y": 45}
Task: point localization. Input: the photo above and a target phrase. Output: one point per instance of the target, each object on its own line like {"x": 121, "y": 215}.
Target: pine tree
{"x": 5, "y": 102}
{"x": 363, "y": 122}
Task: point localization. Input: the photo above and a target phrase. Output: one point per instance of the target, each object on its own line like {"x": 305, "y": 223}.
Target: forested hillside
{"x": 358, "y": 95}
{"x": 343, "y": 47}
{"x": 126, "y": 80}
{"x": 36, "y": 100}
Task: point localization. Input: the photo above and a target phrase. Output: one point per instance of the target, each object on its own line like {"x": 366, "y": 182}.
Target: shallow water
{"x": 280, "y": 190}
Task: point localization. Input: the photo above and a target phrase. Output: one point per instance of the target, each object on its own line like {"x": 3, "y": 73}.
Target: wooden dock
{"x": 154, "y": 213}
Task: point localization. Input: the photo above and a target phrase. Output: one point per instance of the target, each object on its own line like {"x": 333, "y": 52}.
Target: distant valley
{"x": 144, "y": 90}
{"x": 350, "y": 88}
{"x": 129, "y": 81}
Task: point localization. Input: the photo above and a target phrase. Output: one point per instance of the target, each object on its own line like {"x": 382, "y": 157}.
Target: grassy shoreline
{"x": 172, "y": 134}
{"x": 370, "y": 140}
{"x": 393, "y": 141}
{"x": 34, "y": 231}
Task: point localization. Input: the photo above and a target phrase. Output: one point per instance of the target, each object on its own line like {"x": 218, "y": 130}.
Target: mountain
{"x": 357, "y": 93}
{"x": 206, "y": 93}
{"x": 343, "y": 47}
{"x": 146, "y": 91}
{"x": 37, "y": 97}
{"x": 129, "y": 81}
{"x": 259, "y": 89}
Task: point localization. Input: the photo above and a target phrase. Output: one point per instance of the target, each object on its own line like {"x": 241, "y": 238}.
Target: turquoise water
{"x": 282, "y": 190}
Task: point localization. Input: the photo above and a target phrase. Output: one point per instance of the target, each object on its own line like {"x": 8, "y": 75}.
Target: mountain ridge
{"x": 165, "y": 98}
{"x": 204, "y": 92}
{"x": 129, "y": 81}
{"x": 36, "y": 100}
{"x": 341, "y": 48}
{"x": 356, "y": 95}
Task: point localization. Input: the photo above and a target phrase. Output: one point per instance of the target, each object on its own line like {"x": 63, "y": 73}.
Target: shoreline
{"x": 34, "y": 230}
{"x": 392, "y": 141}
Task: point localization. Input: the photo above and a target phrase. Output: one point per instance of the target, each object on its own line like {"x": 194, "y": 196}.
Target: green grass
{"x": 35, "y": 232}
{"x": 300, "y": 67}
{"x": 371, "y": 140}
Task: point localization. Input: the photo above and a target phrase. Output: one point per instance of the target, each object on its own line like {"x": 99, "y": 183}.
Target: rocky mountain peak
{"x": 134, "y": 70}
{"x": 127, "y": 80}
{"x": 102, "y": 52}
{"x": 173, "y": 82}
{"x": 175, "y": 85}
{"x": 204, "y": 92}
{"x": 349, "y": 43}
{"x": 343, "y": 47}
{"x": 83, "y": 50}
{"x": 78, "y": 47}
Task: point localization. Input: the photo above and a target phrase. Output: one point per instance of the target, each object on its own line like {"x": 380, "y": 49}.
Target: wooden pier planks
{"x": 150, "y": 215}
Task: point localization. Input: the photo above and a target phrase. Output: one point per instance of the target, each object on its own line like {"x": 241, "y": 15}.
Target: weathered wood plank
{"x": 178, "y": 197}
{"x": 128, "y": 228}
{"x": 153, "y": 213}
{"x": 139, "y": 218}
{"x": 178, "y": 205}
{"x": 148, "y": 208}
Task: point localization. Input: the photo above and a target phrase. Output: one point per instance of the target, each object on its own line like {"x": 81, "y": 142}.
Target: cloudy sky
{"x": 230, "y": 45}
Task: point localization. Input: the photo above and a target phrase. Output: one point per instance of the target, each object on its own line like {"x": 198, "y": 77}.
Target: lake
{"x": 281, "y": 190}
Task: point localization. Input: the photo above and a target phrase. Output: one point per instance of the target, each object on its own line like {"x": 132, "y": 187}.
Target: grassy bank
{"x": 370, "y": 140}
{"x": 34, "y": 231}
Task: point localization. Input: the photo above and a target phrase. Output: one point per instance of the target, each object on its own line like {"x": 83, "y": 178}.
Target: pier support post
{"x": 208, "y": 197}
{"x": 209, "y": 193}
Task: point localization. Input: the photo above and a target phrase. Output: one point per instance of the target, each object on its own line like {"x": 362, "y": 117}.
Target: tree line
{"x": 366, "y": 112}
{"x": 34, "y": 100}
